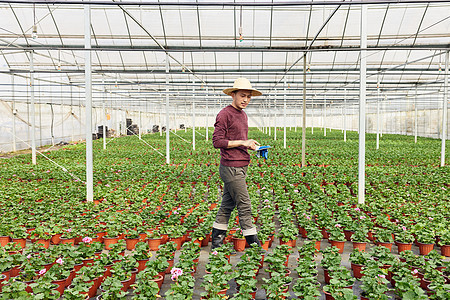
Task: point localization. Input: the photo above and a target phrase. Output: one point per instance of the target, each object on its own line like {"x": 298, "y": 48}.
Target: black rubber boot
{"x": 252, "y": 239}
{"x": 217, "y": 236}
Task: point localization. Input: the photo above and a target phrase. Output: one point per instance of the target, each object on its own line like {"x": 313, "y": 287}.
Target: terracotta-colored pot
{"x": 239, "y": 244}
{"x": 154, "y": 243}
{"x": 357, "y": 270}
{"x": 177, "y": 241}
{"x": 70, "y": 241}
{"x": 109, "y": 241}
{"x": 170, "y": 261}
{"x": 4, "y": 240}
{"x": 131, "y": 243}
{"x": 361, "y": 246}
{"x": 445, "y": 250}
{"x": 387, "y": 245}
{"x": 142, "y": 263}
{"x": 403, "y": 246}
{"x": 338, "y": 244}
{"x": 21, "y": 242}
{"x": 159, "y": 280}
{"x": 46, "y": 242}
{"x": 424, "y": 249}
{"x": 348, "y": 234}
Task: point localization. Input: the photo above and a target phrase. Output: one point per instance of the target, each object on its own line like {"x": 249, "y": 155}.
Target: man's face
{"x": 241, "y": 98}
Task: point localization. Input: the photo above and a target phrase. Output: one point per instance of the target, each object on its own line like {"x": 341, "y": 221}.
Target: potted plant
{"x": 277, "y": 286}
{"x": 146, "y": 286}
{"x": 374, "y": 283}
{"x": 358, "y": 259}
{"x": 445, "y": 243}
{"x": 331, "y": 259}
{"x": 132, "y": 238}
{"x": 336, "y": 237}
{"x": 359, "y": 238}
{"x": 142, "y": 255}
{"x": 239, "y": 241}
{"x": 15, "y": 289}
{"x": 112, "y": 289}
{"x": 44, "y": 289}
{"x": 425, "y": 240}
{"x": 314, "y": 234}
{"x": 384, "y": 238}
{"x": 167, "y": 251}
{"x": 183, "y": 286}
{"x": 403, "y": 239}
{"x": 78, "y": 291}
{"x": 307, "y": 287}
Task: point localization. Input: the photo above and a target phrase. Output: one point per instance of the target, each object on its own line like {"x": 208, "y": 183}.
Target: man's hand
{"x": 251, "y": 144}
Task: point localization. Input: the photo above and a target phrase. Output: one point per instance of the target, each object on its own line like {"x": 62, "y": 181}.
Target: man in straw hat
{"x": 231, "y": 137}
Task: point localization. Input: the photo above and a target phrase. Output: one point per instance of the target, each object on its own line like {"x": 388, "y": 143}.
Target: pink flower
{"x": 381, "y": 276}
{"x": 86, "y": 240}
{"x": 308, "y": 218}
{"x": 357, "y": 209}
{"x": 48, "y": 171}
{"x": 59, "y": 261}
{"x": 266, "y": 201}
{"x": 175, "y": 212}
{"x": 430, "y": 218}
{"x": 175, "y": 273}
{"x": 42, "y": 272}
{"x": 415, "y": 271}
{"x": 28, "y": 256}
{"x": 107, "y": 185}
{"x": 404, "y": 228}
{"x": 337, "y": 225}
{"x": 362, "y": 217}
{"x": 214, "y": 253}
{"x": 69, "y": 230}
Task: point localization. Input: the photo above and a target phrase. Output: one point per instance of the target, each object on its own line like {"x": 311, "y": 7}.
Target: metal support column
{"x": 167, "y": 112}
{"x": 284, "y": 113}
{"x": 444, "y": 111}
{"x": 33, "y": 117}
{"x": 88, "y": 95}
{"x": 13, "y": 111}
{"x": 415, "y": 116}
{"x": 193, "y": 114}
{"x": 345, "y": 115}
{"x": 207, "y": 111}
{"x": 275, "y": 116}
{"x": 324, "y": 116}
{"x": 362, "y": 108}
{"x": 304, "y": 114}
{"x": 104, "y": 125}
{"x": 378, "y": 115}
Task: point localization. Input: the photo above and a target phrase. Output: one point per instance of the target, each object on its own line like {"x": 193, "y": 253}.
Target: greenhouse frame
{"x": 335, "y": 74}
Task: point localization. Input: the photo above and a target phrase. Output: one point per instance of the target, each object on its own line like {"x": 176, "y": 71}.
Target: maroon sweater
{"x": 231, "y": 125}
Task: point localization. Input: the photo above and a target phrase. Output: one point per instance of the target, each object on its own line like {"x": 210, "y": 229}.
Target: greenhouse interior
{"x": 110, "y": 183}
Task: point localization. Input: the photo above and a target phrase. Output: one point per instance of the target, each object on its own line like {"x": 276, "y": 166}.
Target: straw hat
{"x": 242, "y": 84}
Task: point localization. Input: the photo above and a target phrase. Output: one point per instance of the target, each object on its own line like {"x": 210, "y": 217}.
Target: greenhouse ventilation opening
{"x": 316, "y": 62}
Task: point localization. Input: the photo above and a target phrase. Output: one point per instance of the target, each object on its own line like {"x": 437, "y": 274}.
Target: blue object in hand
{"x": 262, "y": 151}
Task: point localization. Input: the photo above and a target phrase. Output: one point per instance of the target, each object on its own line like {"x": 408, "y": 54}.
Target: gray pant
{"x": 235, "y": 194}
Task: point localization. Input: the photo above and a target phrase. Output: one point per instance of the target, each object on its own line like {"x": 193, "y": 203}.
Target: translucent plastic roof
{"x": 406, "y": 49}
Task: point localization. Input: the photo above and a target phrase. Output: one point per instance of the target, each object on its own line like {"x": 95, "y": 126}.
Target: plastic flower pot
{"x": 357, "y": 270}
{"x": 142, "y": 263}
{"x": 70, "y": 241}
{"x": 21, "y": 242}
{"x": 348, "y": 234}
{"x": 338, "y": 244}
{"x": 403, "y": 246}
{"x": 239, "y": 244}
{"x": 131, "y": 243}
{"x": 45, "y": 243}
{"x": 154, "y": 243}
{"x": 159, "y": 279}
{"x": 361, "y": 246}
{"x": 424, "y": 249}
{"x": 387, "y": 245}
{"x": 177, "y": 241}
{"x": 4, "y": 240}
{"x": 445, "y": 250}
{"x": 109, "y": 241}
{"x": 170, "y": 261}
